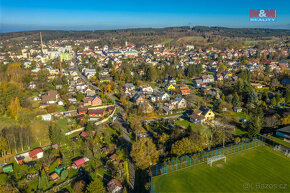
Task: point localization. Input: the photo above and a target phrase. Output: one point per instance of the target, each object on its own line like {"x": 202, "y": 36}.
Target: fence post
{"x": 190, "y": 160}
{"x": 199, "y": 157}
{"x": 151, "y": 178}
{"x": 181, "y": 161}
{"x": 243, "y": 145}
{"x": 176, "y": 163}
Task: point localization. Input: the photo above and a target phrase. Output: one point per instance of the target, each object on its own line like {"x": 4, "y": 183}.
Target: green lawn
{"x": 167, "y": 41}
{"x": 258, "y": 169}
{"x": 194, "y": 126}
{"x": 191, "y": 38}
{"x": 240, "y": 132}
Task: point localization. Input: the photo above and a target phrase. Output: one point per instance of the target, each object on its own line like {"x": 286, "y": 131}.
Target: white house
{"x": 146, "y": 89}
{"x": 46, "y": 117}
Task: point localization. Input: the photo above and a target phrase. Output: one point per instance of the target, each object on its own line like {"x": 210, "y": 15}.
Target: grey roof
{"x": 285, "y": 129}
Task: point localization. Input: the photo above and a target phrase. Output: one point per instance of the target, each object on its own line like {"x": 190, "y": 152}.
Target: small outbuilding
{"x": 54, "y": 176}
{"x": 8, "y": 168}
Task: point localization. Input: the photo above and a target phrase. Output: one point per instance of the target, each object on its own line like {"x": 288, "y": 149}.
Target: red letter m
{"x": 254, "y": 13}
{"x": 271, "y": 13}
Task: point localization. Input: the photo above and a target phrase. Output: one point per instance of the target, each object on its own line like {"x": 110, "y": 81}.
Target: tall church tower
{"x": 41, "y": 43}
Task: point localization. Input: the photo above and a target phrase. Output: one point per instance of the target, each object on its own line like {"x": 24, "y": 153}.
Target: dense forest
{"x": 150, "y": 32}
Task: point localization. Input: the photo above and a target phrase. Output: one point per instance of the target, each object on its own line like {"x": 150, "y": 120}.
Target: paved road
{"x": 83, "y": 77}
{"x": 88, "y": 82}
{"x": 126, "y": 137}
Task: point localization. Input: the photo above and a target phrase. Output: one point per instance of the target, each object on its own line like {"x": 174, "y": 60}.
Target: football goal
{"x": 210, "y": 160}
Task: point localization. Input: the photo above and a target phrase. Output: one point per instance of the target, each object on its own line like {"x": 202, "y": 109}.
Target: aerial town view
{"x": 144, "y": 97}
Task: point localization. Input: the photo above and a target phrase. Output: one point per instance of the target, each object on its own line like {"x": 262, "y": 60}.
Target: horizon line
{"x": 131, "y": 28}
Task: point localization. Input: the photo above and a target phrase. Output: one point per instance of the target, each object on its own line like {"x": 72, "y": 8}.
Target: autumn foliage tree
{"x": 14, "y": 107}
{"x": 96, "y": 186}
{"x": 144, "y": 153}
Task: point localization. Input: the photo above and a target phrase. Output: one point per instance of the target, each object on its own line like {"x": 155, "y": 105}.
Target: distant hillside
{"x": 169, "y": 32}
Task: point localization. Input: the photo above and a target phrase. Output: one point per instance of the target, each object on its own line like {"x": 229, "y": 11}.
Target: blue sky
{"x": 18, "y": 15}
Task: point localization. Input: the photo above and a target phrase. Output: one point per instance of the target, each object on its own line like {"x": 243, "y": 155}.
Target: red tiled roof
{"x": 83, "y": 134}
{"x": 34, "y": 152}
{"x": 79, "y": 161}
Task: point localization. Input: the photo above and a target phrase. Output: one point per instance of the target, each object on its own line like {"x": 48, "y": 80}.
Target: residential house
{"x": 146, "y": 89}
{"x": 162, "y": 96}
{"x": 227, "y": 74}
{"x": 257, "y": 85}
{"x": 184, "y": 90}
{"x": 114, "y": 186}
{"x": 50, "y": 98}
{"x": 138, "y": 98}
{"x": 207, "y": 79}
{"x": 219, "y": 77}
{"x": 146, "y": 107}
{"x": 170, "y": 87}
{"x": 87, "y": 101}
{"x": 96, "y": 101}
{"x": 169, "y": 80}
{"x": 201, "y": 115}
{"x": 195, "y": 118}
{"x": 82, "y": 110}
{"x": 36, "y": 154}
{"x": 92, "y": 101}
{"x": 207, "y": 113}
{"x": 96, "y": 112}
{"x": 198, "y": 83}
{"x": 181, "y": 103}
{"x": 46, "y": 117}
{"x": 89, "y": 73}
{"x": 128, "y": 88}
{"x": 90, "y": 92}
{"x": 238, "y": 109}
{"x": 153, "y": 98}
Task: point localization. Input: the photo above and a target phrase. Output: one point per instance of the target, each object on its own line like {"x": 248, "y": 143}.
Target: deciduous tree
{"x": 144, "y": 153}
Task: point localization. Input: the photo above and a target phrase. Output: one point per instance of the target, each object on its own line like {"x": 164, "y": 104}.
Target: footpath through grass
{"x": 258, "y": 169}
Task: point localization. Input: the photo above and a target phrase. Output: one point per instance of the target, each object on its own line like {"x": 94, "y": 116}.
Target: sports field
{"x": 257, "y": 169}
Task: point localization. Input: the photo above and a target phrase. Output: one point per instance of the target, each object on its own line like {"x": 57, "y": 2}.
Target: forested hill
{"x": 149, "y": 32}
